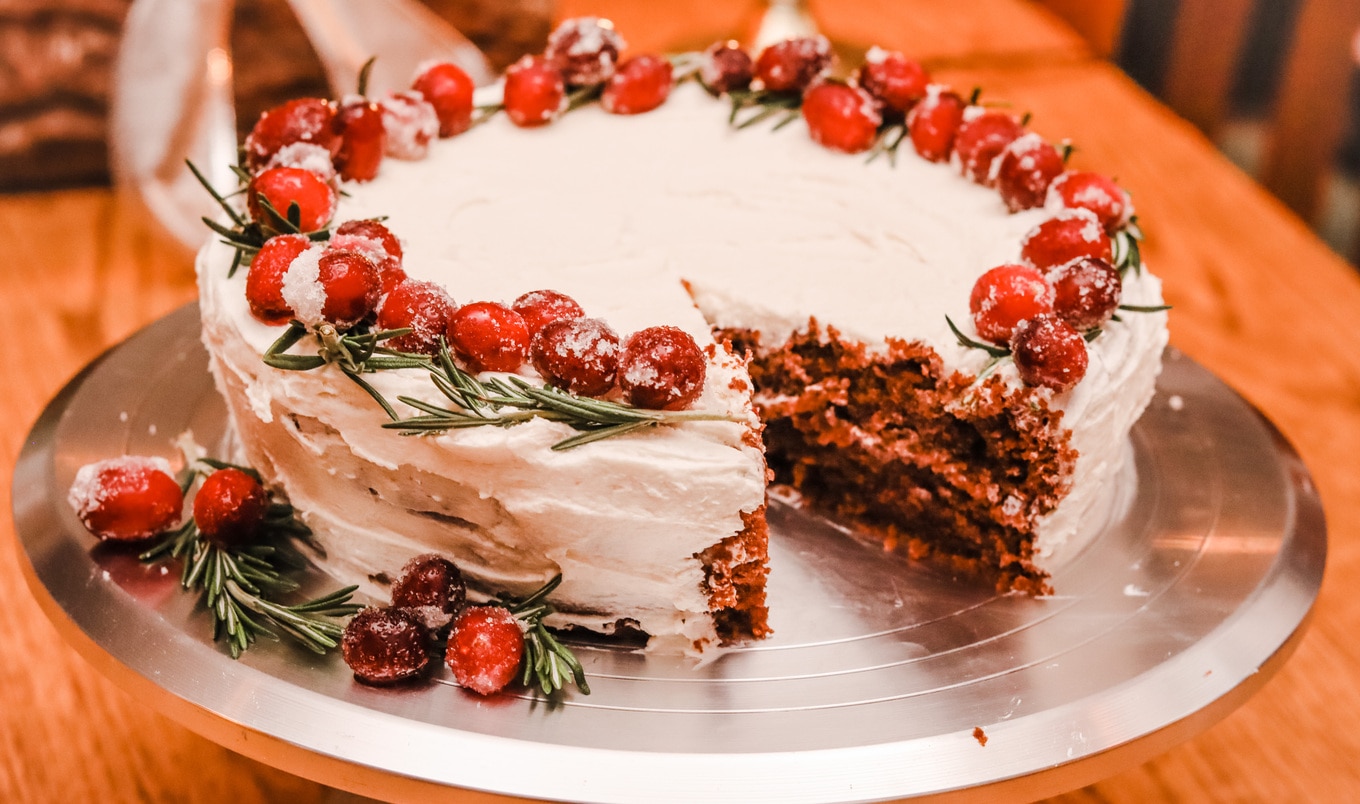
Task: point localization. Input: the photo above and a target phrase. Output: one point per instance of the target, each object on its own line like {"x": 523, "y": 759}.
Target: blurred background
{"x": 1275, "y": 84}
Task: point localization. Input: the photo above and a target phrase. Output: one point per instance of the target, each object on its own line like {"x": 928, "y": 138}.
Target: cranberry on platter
{"x": 230, "y": 507}
{"x": 662, "y": 368}
{"x": 385, "y": 646}
{"x": 725, "y": 67}
{"x": 1049, "y": 353}
{"x": 578, "y": 354}
{"x": 486, "y": 649}
{"x": 793, "y": 64}
{"x": 639, "y": 85}
{"x": 534, "y": 93}
{"x": 432, "y": 588}
{"x": 489, "y": 337}
{"x": 127, "y": 499}
{"x": 1005, "y": 296}
{"x": 841, "y": 117}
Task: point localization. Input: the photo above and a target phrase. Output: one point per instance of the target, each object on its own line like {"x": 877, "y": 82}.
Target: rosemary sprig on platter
{"x": 355, "y": 353}
{"x": 547, "y": 662}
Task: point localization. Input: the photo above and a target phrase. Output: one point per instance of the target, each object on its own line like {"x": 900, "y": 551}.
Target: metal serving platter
{"x": 885, "y": 678}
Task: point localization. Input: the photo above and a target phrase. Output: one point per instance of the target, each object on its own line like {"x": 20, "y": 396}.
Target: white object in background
{"x": 783, "y": 19}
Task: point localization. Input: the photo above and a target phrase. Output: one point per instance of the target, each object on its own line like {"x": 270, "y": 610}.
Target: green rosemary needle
{"x": 547, "y": 662}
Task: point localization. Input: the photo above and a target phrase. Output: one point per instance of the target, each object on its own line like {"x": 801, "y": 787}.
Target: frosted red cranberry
{"x": 793, "y": 64}
{"x": 578, "y": 354}
{"x": 1005, "y": 296}
{"x": 1094, "y": 192}
{"x": 1049, "y": 353}
{"x": 725, "y": 66}
{"x": 485, "y": 649}
{"x": 585, "y": 50}
{"x": 983, "y": 136}
{"x": 1024, "y": 171}
{"x": 841, "y": 117}
{"x": 385, "y": 646}
{"x": 1086, "y": 292}
{"x": 893, "y": 80}
{"x": 309, "y": 120}
{"x": 264, "y": 279}
{"x": 126, "y": 499}
{"x": 535, "y": 92}
{"x": 639, "y": 85}
{"x": 424, "y": 307}
{"x": 283, "y": 187}
{"x": 432, "y": 588}
{"x": 351, "y": 284}
{"x": 411, "y": 123}
{"x": 311, "y": 158}
{"x": 363, "y": 139}
{"x": 230, "y": 507}
{"x": 489, "y": 337}
{"x": 1072, "y": 234}
{"x": 540, "y": 308}
{"x": 662, "y": 368}
{"x": 933, "y": 123}
{"x": 447, "y": 88}
{"x": 373, "y": 230}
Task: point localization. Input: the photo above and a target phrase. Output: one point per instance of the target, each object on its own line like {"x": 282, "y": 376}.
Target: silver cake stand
{"x": 885, "y": 679}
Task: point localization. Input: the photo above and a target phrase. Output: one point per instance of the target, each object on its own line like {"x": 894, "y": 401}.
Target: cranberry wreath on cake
{"x": 577, "y": 324}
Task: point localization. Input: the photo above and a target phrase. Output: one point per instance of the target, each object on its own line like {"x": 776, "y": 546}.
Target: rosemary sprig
{"x": 547, "y": 662}
{"x": 355, "y": 353}
{"x": 239, "y": 583}
{"x": 513, "y": 400}
{"x": 767, "y": 103}
{"x": 890, "y": 138}
{"x": 990, "y": 348}
{"x": 246, "y": 235}
{"x": 1127, "y": 254}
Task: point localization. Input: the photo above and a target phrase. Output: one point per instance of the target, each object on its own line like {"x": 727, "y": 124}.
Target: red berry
{"x": 283, "y": 187}
{"x": 1073, "y": 233}
{"x": 303, "y": 120}
{"x": 893, "y": 80}
{"x": 535, "y": 92}
{"x": 351, "y": 283}
{"x": 392, "y": 275}
{"x": 432, "y": 588}
{"x": 1005, "y": 296}
{"x": 578, "y": 354}
{"x": 933, "y": 122}
{"x": 385, "y": 646}
{"x": 489, "y": 336}
{"x": 585, "y": 50}
{"x": 542, "y": 307}
{"x": 725, "y": 66}
{"x": 264, "y": 282}
{"x": 126, "y": 499}
{"x": 840, "y": 117}
{"x": 411, "y": 122}
{"x": 374, "y": 230}
{"x": 311, "y": 158}
{"x": 793, "y": 64}
{"x": 639, "y": 85}
{"x": 982, "y": 136}
{"x": 363, "y": 139}
{"x": 662, "y": 368}
{"x": 229, "y": 507}
{"x": 424, "y": 307}
{"x": 1086, "y": 292}
{"x": 449, "y": 90}
{"x": 1094, "y": 192}
{"x": 485, "y": 649}
{"x": 1025, "y": 170}
{"x": 1048, "y": 352}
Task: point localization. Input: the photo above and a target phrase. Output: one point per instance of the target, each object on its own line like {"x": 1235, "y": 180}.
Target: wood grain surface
{"x": 1258, "y": 299}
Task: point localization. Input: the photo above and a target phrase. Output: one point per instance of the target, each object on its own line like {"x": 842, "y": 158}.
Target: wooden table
{"x": 1257, "y": 298}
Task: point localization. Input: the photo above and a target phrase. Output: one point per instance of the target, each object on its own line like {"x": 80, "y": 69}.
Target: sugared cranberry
{"x": 639, "y": 85}
{"x": 841, "y": 117}
{"x": 1048, "y": 352}
{"x": 374, "y": 230}
{"x": 535, "y": 92}
{"x": 585, "y": 50}
{"x": 363, "y": 139}
{"x": 934, "y": 121}
{"x": 1091, "y": 191}
{"x": 311, "y": 158}
{"x": 725, "y": 66}
{"x": 578, "y": 354}
{"x": 449, "y": 90}
{"x": 1073, "y": 233}
{"x": 1086, "y": 292}
{"x": 126, "y": 499}
{"x": 424, "y": 307}
{"x": 793, "y": 64}
{"x": 301, "y": 120}
{"x": 283, "y": 187}
{"x": 983, "y": 136}
{"x": 385, "y": 646}
{"x": 489, "y": 337}
{"x": 485, "y": 649}
{"x": 229, "y": 507}
{"x": 264, "y": 281}
{"x": 662, "y": 368}
{"x": 1024, "y": 171}
{"x": 1005, "y": 296}
{"x": 895, "y": 81}
{"x": 542, "y": 307}
{"x": 432, "y": 588}
{"x": 411, "y": 123}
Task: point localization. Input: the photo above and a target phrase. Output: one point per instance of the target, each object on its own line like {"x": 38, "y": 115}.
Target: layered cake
{"x": 830, "y": 297}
